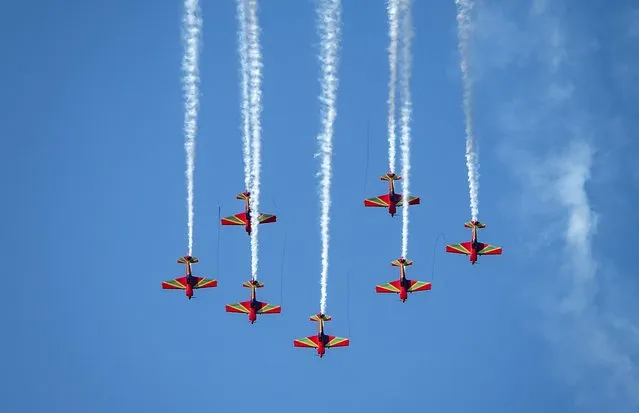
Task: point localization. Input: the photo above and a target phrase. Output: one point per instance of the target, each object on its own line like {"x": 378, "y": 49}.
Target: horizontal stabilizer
{"x": 243, "y": 195}
{"x": 474, "y": 224}
{"x": 186, "y": 259}
{"x": 256, "y": 284}
{"x": 317, "y": 317}
{"x": 390, "y": 177}
{"x": 397, "y": 263}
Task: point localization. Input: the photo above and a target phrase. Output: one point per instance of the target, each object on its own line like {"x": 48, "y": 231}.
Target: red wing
{"x": 237, "y": 219}
{"x": 487, "y": 249}
{"x": 176, "y": 284}
{"x": 391, "y": 287}
{"x": 266, "y": 308}
{"x": 461, "y": 248}
{"x": 308, "y": 342}
{"x": 243, "y": 307}
{"x": 334, "y": 341}
{"x": 382, "y": 201}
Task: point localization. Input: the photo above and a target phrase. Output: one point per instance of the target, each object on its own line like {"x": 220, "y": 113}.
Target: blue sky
{"x": 93, "y": 172}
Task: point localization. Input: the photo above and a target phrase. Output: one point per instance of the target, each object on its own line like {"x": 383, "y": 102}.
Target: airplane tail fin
{"x": 317, "y": 317}
{"x": 243, "y": 195}
{"x": 398, "y": 263}
{"x": 390, "y": 177}
{"x": 186, "y": 259}
{"x": 474, "y": 224}
{"x": 249, "y": 284}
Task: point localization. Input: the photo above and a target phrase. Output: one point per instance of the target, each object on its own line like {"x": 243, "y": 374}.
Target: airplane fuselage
{"x": 392, "y": 199}
{"x": 403, "y": 284}
{"x": 190, "y": 281}
{"x": 474, "y": 247}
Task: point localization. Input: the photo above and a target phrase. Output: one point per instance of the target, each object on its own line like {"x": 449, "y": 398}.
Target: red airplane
{"x": 244, "y": 218}
{"x": 188, "y": 282}
{"x": 403, "y": 286}
{"x": 474, "y": 247}
{"x": 253, "y": 307}
{"x": 391, "y": 200}
{"x": 321, "y": 341}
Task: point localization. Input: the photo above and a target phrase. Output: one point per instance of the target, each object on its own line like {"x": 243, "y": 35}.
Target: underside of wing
{"x": 308, "y": 342}
{"x": 237, "y": 219}
{"x": 461, "y": 248}
{"x": 487, "y": 249}
{"x": 419, "y": 286}
{"x": 176, "y": 284}
{"x": 267, "y": 218}
{"x": 391, "y": 287}
{"x": 269, "y": 309}
{"x": 337, "y": 342}
{"x": 412, "y": 200}
{"x": 205, "y": 283}
{"x": 381, "y": 201}
{"x": 242, "y": 307}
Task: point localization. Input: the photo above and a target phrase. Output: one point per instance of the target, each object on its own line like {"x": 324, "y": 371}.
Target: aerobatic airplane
{"x": 244, "y": 218}
{"x": 403, "y": 286}
{"x": 321, "y": 341}
{"x": 391, "y": 200}
{"x": 253, "y": 307}
{"x": 474, "y": 247}
{"x": 188, "y": 282}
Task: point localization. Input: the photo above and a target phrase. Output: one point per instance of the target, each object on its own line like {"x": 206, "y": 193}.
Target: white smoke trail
{"x": 255, "y": 59}
{"x": 464, "y": 8}
{"x": 191, "y": 81}
{"x": 392, "y": 62}
{"x": 406, "y": 111}
{"x": 244, "y": 69}
{"x": 329, "y": 15}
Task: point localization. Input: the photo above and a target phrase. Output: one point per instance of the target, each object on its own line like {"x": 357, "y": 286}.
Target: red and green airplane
{"x": 391, "y": 200}
{"x": 403, "y": 286}
{"x": 244, "y": 218}
{"x": 474, "y": 247}
{"x": 321, "y": 341}
{"x": 253, "y": 307}
{"x": 188, "y": 282}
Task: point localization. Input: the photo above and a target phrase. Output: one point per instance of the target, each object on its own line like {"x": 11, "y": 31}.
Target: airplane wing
{"x": 419, "y": 286}
{"x": 205, "y": 283}
{"x": 412, "y": 200}
{"x": 382, "y": 201}
{"x": 242, "y": 307}
{"x": 487, "y": 249}
{"x": 266, "y": 218}
{"x": 176, "y": 284}
{"x": 461, "y": 248}
{"x": 237, "y": 219}
{"x": 269, "y": 309}
{"x": 308, "y": 342}
{"x": 337, "y": 342}
{"x": 391, "y": 287}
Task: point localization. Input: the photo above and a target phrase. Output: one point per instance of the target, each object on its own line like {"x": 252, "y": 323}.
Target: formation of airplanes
{"x": 321, "y": 341}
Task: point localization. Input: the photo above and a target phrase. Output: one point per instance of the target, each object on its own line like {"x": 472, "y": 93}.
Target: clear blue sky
{"x": 93, "y": 175}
